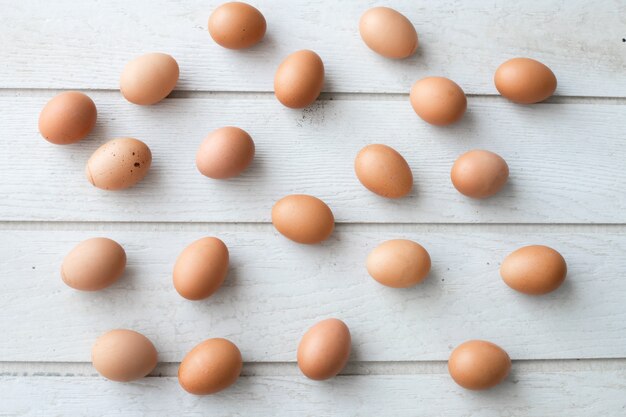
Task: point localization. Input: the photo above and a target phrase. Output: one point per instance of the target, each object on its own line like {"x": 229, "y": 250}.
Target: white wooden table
{"x": 567, "y": 190}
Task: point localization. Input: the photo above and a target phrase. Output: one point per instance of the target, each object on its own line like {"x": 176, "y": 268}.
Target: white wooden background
{"x": 567, "y": 189}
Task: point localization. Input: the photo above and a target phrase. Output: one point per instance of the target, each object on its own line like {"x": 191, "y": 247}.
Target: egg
{"x": 388, "y": 33}
{"x": 236, "y": 25}
{"x": 438, "y": 100}
{"x": 299, "y": 79}
{"x": 67, "y": 118}
{"x": 211, "y": 366}
{"x": 120, "y": 163}
{"x": 398, "y": 263}
{"x": 123, "y": 355}
{"x": 201, "y": 268}
{"x": 479, "y": 174}
{"x": 478, "y": 365}
{"x": 149, "y": 78}
{"x": 324, "y": 349}
{"x": 303, "y": 218}
{"x": 225, "y": 153}
{"x": 383, "y": 171}
{"x": 525, "y": 81}
{"x": 534, "y": 270}
{"x": 93, "y": 264}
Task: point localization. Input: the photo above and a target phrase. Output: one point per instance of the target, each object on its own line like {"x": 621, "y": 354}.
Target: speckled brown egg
{"x": 225, "y": 153}
{"x": 303, "y": 218}
{"x": 478, "y": 365}
{"x": 299, "y": 79}
{"x": 237, "y": 25}
{"x": 388, "y": 32}
{"x": 324, "y": 349}
{"x": 123, "y": 355}
{"x": 534, "y": 270}
{"x": 398, "y": 263}
{"x": 479, "y": 174}
{"x": 211, "y": 366}
{"x": 67, "y": 118}
{"x": 93, "y": 264}
{"x": 201, "y": 268}
{"x": 149, "y": 78}
{"x": 118, "y": 164}
{"x": 382, "y": 170}
{"x": 438, "y": 100}
{"x": 525, "y": 81}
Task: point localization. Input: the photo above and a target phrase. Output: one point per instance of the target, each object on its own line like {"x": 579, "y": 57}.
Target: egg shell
{"x": 478, "y": 364}
{"x": 201, "y": 268}
{"x": 149, "y": 78}
{"x": 120, "y": 163}
{"x": 123, "y": 355}
{"x": 67, "y": 118}
{"x": 534, "y": 270}
{"x": 438, "y": 100}
{"x": 237, "y": 25}
{"x": 299, "y": 79}
{"x": 225, "y": 153}
{"x": 324, "y": 349}
{"x": 388, "y": 32}
{"x": 383, "y": 171}
{"x": 525, "y": 81}
{"x": 211, "y": 366}
{"x": 479, "y": 173}
{"x": 398, "y": 263}
{"x": 93, "y": 264}
{"x": 303, "y": 218}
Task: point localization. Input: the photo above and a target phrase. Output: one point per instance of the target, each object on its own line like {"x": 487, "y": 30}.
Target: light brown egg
{"x": 398, "y": 263}
{"x": 478, "y": 365}
{"x": 382, "y": 170}
{"x": 67, "y": 118}
{"x": 299, "y": 79}
{"x": 534, "y": 270}
{"x": 324, "y": 349}
{"x": 236, "y": 25}
{"x": 211, "y": 366}
{"x": 479, "y": 174}
{"x": 438, "y": 100}
{"x": 201, "y": 268}
{"x": 388, "y": 32}
{"x": 303, "y": 218}
{"x": 525, "y": 81}
{"x": 120, "y": 163}
{"x": 225, "y": 153}
{"x": 123, "y": 355}
{"x": 93, "y": 264}
{"x": 149, "y": 78}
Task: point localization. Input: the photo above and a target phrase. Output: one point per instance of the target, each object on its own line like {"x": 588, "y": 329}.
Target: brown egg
{"x": 201, "y": 268}
{"x": 225, "y": 153}
{"x": 382, "y": 170}
{"x": 479, "y": 174}
{"x": 388, "y": 32}
{"x": 438, "y": 100}
{"x": 398, "y": 263}
{"x": 211, "y": 366}
{"x": 123, "y": 355}
{"x": 303, "y": 218}
{"x": 534, "y": 270}
{"x": 67, "y": 118}
{"x": 120, "y": 163}
{"x": 236, "y": 25}
{"x": 93, "y": 264}
{"x": 299, "y": 79}
{"x": 149, "y": 78}
{"x": 525, "y": 81}
{"x": 478, "y": 365}
{"x": 324, "y": 349}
